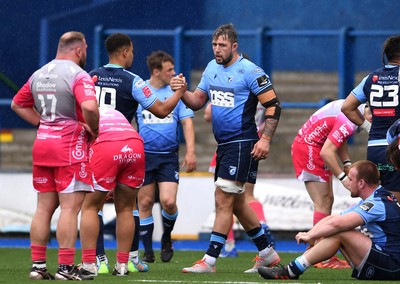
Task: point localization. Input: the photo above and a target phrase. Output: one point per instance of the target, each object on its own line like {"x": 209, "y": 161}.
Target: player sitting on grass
{"x": 373, "y": 251}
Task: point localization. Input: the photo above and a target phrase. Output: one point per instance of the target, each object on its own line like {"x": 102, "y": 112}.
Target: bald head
{"x": 70, "y": 40}
{"x": 72, "y": 46}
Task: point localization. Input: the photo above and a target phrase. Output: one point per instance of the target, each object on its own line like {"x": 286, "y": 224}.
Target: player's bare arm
{"x": 349, "y": 108}
{"x": 190, "y": 158}
{"x": 194, "y": 100}
{"x": 28, "y": 114}
{"x": 162, "y": 108}
{"x": 272, "y": 115}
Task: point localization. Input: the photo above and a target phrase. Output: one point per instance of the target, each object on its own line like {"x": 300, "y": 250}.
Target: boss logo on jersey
{"x": 221, "y": 96}
{"x": 150, "y": 118}
{"x": 263, "y": 81}
{"x": 367, "y": 206}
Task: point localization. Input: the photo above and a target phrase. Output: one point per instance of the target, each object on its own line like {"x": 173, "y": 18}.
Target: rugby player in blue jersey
{"x": 373, "y": 251}
{"x": 234, "y": 86}
{"x": 161, "y": 143}
{"x": 120, "y": 89}
{"x": 380, "y": 89}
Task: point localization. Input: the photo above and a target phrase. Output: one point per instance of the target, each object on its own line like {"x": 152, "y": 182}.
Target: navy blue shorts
{"x": 234, "y": 162}
{"x": 390, "y": 177}
{"x": 378, "y": 266}
{"x": 161, "y": 168}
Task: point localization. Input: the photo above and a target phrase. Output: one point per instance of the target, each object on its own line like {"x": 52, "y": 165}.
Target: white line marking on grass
{"x": 207, "y": 282}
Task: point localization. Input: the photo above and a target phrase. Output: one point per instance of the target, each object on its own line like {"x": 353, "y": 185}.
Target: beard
{"x": 82, "y": 62}
{"x": 226, "y": 60}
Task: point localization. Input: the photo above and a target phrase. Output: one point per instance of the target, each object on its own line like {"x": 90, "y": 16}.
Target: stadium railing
{"x": 264, "y": 39}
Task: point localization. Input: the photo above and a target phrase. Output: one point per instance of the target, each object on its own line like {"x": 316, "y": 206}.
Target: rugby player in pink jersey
{"x": 118, "y": 165}
{"x": 60, "y": 99}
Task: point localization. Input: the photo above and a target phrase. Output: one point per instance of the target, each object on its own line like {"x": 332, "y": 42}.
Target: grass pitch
{"x": 15, "y": 264}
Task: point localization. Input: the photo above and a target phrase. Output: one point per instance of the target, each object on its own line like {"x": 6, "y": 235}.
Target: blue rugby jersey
{"x": 393, "y": 131}
{"x": 381, "y": 214}
{"x": 381, "y": 90}
{"x": 121, "y": 89}
{"x": 161, "y": 134}
{"x": 233, "y": 93}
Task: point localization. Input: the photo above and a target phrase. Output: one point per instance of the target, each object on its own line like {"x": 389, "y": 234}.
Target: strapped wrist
{"x": 342, "y": 176}
{"x": 347, "y": 163}
{"x": 366, "y": 125}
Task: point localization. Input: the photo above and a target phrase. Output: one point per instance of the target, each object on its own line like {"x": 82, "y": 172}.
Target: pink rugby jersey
{"x": 115, "y": 127}
{"x": 56, "y": 91}
{"x": 326, "y": 123}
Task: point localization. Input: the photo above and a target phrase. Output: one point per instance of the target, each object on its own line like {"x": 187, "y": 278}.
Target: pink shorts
{"x": 76, "y": 177}
{"x": 308, "y": 164}
{"x": 115, "y": 162}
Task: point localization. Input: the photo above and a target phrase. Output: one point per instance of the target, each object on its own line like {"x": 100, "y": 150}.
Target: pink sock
{"x": 122, "y": 257}
{"x": 38, "y": 253}
{"x": 66, "y": 256}
{"x": 89, "y": 255}
{"x": 318, "y": 216}
{"x": 258, "y": 208}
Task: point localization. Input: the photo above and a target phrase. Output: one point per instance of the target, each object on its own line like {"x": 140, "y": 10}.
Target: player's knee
{"x": 169, "y": 206}
{"x": 229, "y": 186}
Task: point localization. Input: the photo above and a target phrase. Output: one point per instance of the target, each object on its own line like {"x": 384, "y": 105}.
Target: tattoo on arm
{"x": 270, "y": 127}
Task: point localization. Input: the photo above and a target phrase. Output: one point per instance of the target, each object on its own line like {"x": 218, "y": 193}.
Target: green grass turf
{"x": 15, "y": 264}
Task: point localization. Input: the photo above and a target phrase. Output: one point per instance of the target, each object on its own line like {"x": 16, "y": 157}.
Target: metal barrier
{"x": 264, "y": 39}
